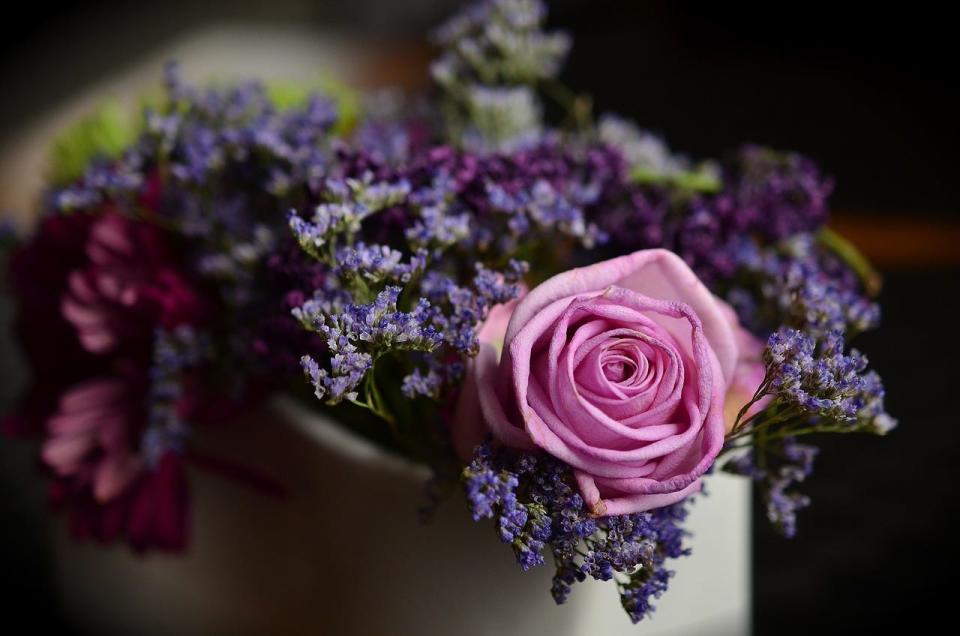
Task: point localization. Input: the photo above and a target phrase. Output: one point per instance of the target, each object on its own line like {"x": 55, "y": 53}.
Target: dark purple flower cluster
{"x": 536, "y": 506}
{"x": 764, "y": 194}
{"x": 801, "y": 284}
{"x": 816, "y": 387}
{"x": 706, "y": 213}
{"x": 498, "y": 204}
{"x": 777, "y": 194}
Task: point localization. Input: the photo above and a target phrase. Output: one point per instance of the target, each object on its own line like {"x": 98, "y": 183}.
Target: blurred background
{"x": 869, "y": 95}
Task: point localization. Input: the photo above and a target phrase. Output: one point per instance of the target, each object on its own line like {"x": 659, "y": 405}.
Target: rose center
{"x": 622, "y": 362}
{"x": 618, "y": 370}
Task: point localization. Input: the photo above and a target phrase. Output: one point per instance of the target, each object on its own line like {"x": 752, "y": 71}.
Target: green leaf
{"x": 690, "y": 181}
{"x": 287, "y": 95}
{"x": 104, "y": 133}
{"x": 849, "y": 254}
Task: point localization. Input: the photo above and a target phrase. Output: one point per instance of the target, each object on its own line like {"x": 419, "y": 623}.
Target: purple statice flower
{"x": 495, "y": 287}
{"x": 116, "y": 180}
{"x": 234, "y": 264}
{"x": 625, "y": 545}
{"x": 499, "y": 41}
{"x": 646, "y": 153}
{"x": 328, "y": 221}
{"x": 206, "y": 134}
{"x": 326, "y": 301}
{"x": 567, "y": 573}
{"x": 785, "y": 464}
{"x": 420, "y": 383}
{"x": 706, "y": 215}
{"x": 355, "y": 334}
{"x": 873, "y": 413}
{"x": 463, "y": 311}
{"x": 549, "y": 208}
{"x": 199, "y": 155}
{"x": 536, "y": 507}
{"x": 494, "y": 53}
{"x": 487, "y": 486}
{"x": 820, "y": 379}
{"x": 492, "y": 493}
{"x": 540, "y": 206}
{"x": 464, "y": 308}
{"x": 648, "y": 583}
{"x": 380, "y": 326}
{"x": 703, "y": 240}
{"x": 314, "y": 235}
{"x": 348, "y": 367}
{"x": 437, "y": 228}
{"x": 378, "y": 263}
{"x": 349, "y": 202}
{"x": 430, "y": 382}
{"x": 386, "y": 141}
{"x": 173, "y": 352}
{"x": 514, "y": 202}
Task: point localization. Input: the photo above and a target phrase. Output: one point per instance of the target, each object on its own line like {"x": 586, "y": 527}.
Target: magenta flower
{"x": 91, "y": 435}
{"x": 92, "y": 291}
{"x": 128, "y": 287}
{"x": 153, "y": 512}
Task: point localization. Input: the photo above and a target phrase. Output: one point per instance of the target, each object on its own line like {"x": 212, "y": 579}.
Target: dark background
{"x": 868, "y": 93}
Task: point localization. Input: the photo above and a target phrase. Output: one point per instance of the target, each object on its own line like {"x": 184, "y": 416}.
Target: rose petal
{"x": 658, "y": 274}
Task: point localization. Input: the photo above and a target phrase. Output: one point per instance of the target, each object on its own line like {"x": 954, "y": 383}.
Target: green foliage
{"x": 695, "y": 181}
{"x": 286, "y": 95}
{"x": 103, "y": 133}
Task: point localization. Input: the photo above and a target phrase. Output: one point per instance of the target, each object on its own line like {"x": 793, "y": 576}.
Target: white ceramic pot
{"x": 344, "y": 553}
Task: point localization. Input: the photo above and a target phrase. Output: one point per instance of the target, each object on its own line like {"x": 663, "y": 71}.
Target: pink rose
{"x": 748, "y": 375}
{"x": 620, "y": 370}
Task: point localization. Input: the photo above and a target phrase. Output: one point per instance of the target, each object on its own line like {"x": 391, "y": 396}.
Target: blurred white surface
{"x": 345, "y": 554}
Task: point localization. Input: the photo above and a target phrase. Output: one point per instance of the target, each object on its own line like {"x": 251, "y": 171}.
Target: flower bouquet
{"x": 567, "y": 323}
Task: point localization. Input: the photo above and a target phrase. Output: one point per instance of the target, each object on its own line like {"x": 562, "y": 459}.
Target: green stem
{"x": 810, "y": 430}
{"x": 761, "y": 391}
{"x": 577, "y": 108}
{"x": 750, "y": 428}
{"x": 375, "y": 400}
{"x": 849, "y": 254}
{"x": 332, "y": 251}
